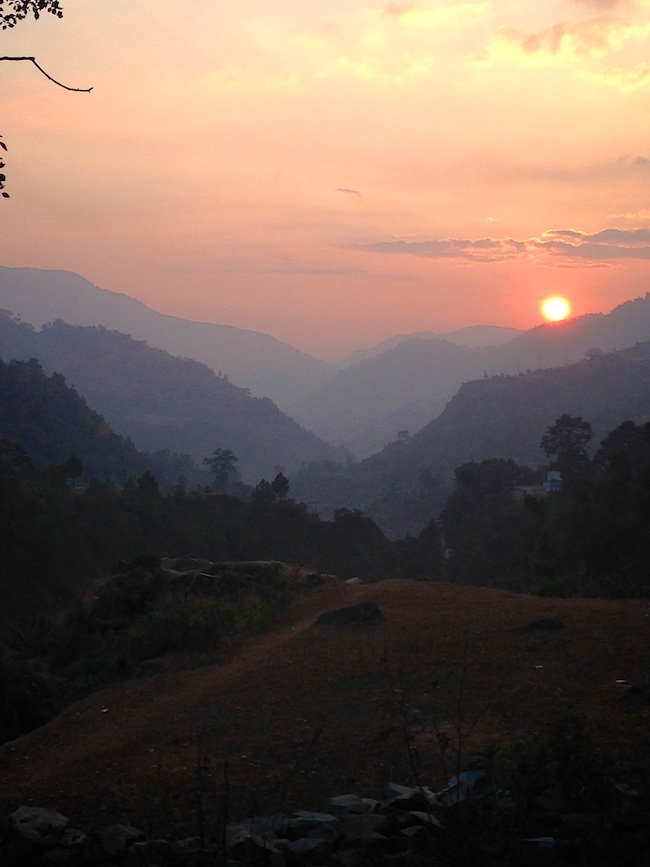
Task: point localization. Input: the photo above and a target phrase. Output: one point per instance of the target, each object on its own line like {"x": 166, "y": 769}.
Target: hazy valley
{"x": 137, "y": 573}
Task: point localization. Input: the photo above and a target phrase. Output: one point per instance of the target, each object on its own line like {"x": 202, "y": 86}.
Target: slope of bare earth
{"x": 305, "y": 712}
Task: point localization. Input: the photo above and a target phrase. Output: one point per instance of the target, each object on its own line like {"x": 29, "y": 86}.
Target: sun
{"x": 555, "y": 309}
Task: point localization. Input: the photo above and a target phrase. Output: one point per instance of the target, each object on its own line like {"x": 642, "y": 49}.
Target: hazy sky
{"x": 337, "y": 172}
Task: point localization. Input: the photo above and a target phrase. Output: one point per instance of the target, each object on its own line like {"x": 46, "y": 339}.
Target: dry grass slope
{"x": 302, "y": 712}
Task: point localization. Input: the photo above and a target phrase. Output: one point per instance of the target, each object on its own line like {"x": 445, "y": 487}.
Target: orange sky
{"x": 335, "y": 173}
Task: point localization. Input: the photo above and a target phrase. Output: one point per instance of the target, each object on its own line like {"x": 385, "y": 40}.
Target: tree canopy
{"x": 222, "y": 466}
{"x": 13, "y": 11}
{"x": 566, "y": 442}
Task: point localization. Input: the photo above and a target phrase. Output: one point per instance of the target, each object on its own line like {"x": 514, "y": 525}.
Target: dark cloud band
{"x": 568, "y": 245}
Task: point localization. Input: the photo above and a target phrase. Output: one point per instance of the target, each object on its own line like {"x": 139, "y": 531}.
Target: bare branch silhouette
{"x": 49, "y": 77}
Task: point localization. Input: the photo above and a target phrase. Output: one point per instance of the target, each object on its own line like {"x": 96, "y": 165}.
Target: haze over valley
{"x": 410, "y": 409}
{"x": 358, "y": 405}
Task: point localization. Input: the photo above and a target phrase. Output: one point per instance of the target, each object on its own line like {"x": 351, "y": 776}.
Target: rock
{"x": 362, "y": 612}
{"x": 551, "y": 802}
{"x": 637, "y": 695}
{"x": 263, "y": 826}
{"x": 150, "y": 852}
{"x": 419, "y": 798}
{"x": 536, "y": 851}
{"x": 394, "y": 790}
{"x": 628, "y": 806}
{"x": 59, "y": 855}
{"x": 249, "y": 847}
{"x": 321, "y": 826}
{"x": 74, "y": 840}
{"x": 462, "y": 785}
{"x": 190, "y": 845}
{"x": 361, "y": 826}
{"x": 37, "y": 825}
{"x": 410, "y": 858}
{"x": 411, "y": 827}
{"x": 189, "y": 563}
{"x": 424, "y": 818}
{"x": 351, "y": 858}
{"x": 307, "y": 849}
{"x": 343, "y": 804}
{"x": 113, "y": 841}
{"x": 415, "y": 832}
{"x": 370, "y": 842}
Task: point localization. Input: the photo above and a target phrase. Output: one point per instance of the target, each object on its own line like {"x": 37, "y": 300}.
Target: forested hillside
{"x": 406, "y": 484}
{"x": 166, "y": 403}
{"x": 53, "y": 424}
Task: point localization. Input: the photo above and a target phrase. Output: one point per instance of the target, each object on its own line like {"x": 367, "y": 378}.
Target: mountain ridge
{"x": 416, "y": 378}
{"x": 250, "y": 359}
{"x": 163, "y": 402}
{"x": 405, "y": 484}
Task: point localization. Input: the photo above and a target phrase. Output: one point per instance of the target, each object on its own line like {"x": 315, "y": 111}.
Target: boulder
{"x": 112, "y": 841}
{"x": 341, "y": 805}
{"x": 37, "y": 825}
{"x": 361, "y": 613}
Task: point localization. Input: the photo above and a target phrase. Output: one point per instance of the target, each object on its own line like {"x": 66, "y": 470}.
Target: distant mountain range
{"x": 471, "y": 335}
{"x": 367, "y": 401}
{"x": 162, "y": 402}
{"x": 408, "y": 384}
{"x": 259, "y": 362}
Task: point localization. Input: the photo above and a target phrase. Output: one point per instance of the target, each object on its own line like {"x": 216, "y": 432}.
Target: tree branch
{"x": 40, "y": 69}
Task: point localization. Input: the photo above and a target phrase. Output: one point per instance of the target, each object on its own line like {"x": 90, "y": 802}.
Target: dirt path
{"x": 111, "y": 726}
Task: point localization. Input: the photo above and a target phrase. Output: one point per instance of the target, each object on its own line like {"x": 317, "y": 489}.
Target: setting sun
{"x": 555, "y": 309}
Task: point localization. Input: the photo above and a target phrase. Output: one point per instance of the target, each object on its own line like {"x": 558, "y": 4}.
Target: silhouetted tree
{"x": 148, "y": 485}
{"x": 624, "y": 448}
{"x": 264, "y": 491}
{"x": 222, "y": 466}
{"x": 11, "y": 12}
{"x": 280, "y": 486}
{"x": 488, "y": 530}
{"x": 566, "y": 442}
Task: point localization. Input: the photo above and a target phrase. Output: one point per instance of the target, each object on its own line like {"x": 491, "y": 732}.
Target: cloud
{"x": 556, "y": 246}
{"x": 482, "y": 250}
{"x": 625, "y": 169}
{"x": 566, "y": 40}
{"x": 397, "y": 10}
{"x": 627, "y": 79}
{"x": 393, "y": 42}
{"x": 414, "y": 15}
{"x": 642, "y": 216}
{"x": 348, "y": 191}
{"x": 604, "y": 4}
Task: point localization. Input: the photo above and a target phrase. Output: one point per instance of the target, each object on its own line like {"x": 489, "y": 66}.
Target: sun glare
{"x": 555, "y": 309}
